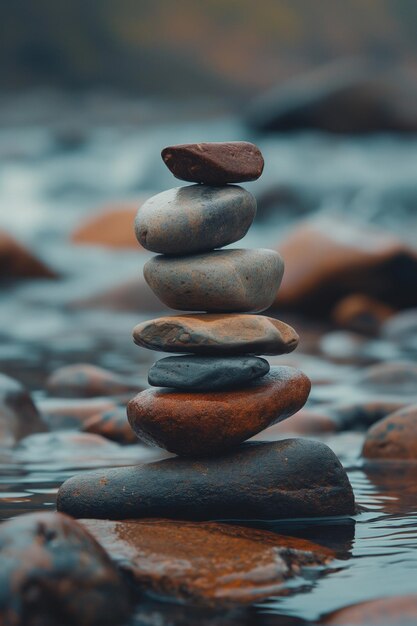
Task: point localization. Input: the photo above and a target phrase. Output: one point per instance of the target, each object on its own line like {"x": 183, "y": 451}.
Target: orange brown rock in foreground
{"x": 206, "y": 563}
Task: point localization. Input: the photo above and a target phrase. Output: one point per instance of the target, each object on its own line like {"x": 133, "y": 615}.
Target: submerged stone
{"x": 53, "y": 572}
{"x": 220, "y": 281}
{"x": 192, "y": 219}
{"x": 205, "y": 563}
{"x": 280, "y": 480}
{"x": 202, "y": 424}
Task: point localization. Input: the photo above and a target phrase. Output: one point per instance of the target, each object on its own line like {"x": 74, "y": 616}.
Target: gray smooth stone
{"x": 221, "y": 281}
{"x": 194, "y": 219}
{"x": 206, "y": 373}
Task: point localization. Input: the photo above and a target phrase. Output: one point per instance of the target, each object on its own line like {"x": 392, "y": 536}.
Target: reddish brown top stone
{"x": 214, "y": 163}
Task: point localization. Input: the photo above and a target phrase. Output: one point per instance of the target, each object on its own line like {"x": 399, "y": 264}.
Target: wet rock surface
{"x": 223, "y": 280}
{"x": 206, "y": 373}
{"x": 202, "y": 424}
{"x": 394, "y": 437}
{"x": 19, "y": 416}
{"x": 18, "y": 263}
{"x": 72, "y": 413}
{"x": 217, "y": 335}
{"x": 300, "y": 478}
{"x": 53, "y": 572}
{"x": 112, "y": 425}
{"x": 340, "y": 260}
{"x": 362, "y": 314}
{"x": 342, "y": 97}
{"x": 214, "y": 163}
{"x": 132, "y": 295}
{"x": 188, "y": 220}
{"x": 111, "y": 227}
{"x": 207, "y": 564}
{"x": 398, "y": 610}
{"x": 398, "y": 378}
{"x": 85, "y": 380}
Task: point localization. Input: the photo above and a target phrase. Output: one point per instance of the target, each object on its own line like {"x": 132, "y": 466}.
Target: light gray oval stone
{"x": 194, "y": 219}
{"x": 220, "y": 281}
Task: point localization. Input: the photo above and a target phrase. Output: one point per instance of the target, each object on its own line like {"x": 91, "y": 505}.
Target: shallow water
{"x": 48, "y": 186}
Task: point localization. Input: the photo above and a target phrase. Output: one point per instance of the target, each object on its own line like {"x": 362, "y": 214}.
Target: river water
{"x": 54, "y": 174}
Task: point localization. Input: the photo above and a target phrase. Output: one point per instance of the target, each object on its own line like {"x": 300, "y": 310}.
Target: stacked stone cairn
{"x": 218, "y": 392}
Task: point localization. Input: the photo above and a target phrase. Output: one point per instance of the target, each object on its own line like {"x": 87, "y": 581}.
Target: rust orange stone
{"x": 205, "y": 424}
{"x": 208, "y": 563}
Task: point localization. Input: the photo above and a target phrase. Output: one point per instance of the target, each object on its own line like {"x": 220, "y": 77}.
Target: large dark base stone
{"x": 280, "y": 480}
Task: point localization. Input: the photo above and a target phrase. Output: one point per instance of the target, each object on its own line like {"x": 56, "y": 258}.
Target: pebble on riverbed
{"x": 19, "y": 416}
{"x": 53, "y": 572}
{"x": 301, "y": 479}
{"x": 217, "y": 335}
{"x": 111, "y": 227}
{"x": 16, "y": 262}
{"x": 206, "y": 563}
{"x": 394, "y": 437}
{"x": 112, "y": 425}
{"x": 328, "y": 260}
{"x": 83, "y": 380}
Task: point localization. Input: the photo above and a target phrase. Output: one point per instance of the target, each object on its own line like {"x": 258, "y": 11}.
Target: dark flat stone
{"x": 206, "y": 373}
{"x": 214, "y": 163}
{"x": 235, "y": 280}
{"x": 194, "y": 219}
{"x": 280, "y": 480}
